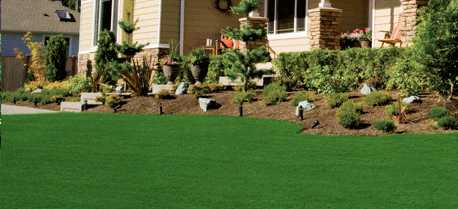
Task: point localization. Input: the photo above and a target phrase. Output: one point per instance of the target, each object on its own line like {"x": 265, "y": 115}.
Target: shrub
{"x": 386, "y": 126}
{"x": 199, "y": 57}
{"x": 215, "y": 69}
{"x": 435, "y": 44}
{"x": 301, "y": 96}
{"x": 336, "y": 100}
{"x": 105, "y": 55}
{"x": 438, "y": 112}
{"x": 56, "y": 57}
{"x": 396, "y": 109}
{"x": 244, "y": 96}
{"x": 409, "y": 77}
{"x": 349, "y": 114}
{"x": 78, "y": 84}
{"x": 274, "y": 93}
{"x": 291, "y": 68}
{"x": 114, "y": 102}
{"x": 377, "y": 98}
{"x": 448, "y": 123}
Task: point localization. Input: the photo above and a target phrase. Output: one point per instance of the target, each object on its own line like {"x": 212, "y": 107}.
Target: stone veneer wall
{"x": 409, "y": 18}
{"x": 325, "y": 28}
{"x": 87, "y": 61}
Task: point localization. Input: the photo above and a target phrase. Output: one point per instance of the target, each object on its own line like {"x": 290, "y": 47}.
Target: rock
{"x": 118, "y": 89}
{"x": 411, "y": 99}
{"x": 367, "y": 89}
{"x": 316, "y": 124}
{"x": 206, "y": 103}
{"x": 226, "y": 81}
{"x": 91, "y": 98}
{"x": 182, "y": 88}
{"x": 71, "y": 107}
{"x": 306, "y": 106}
{"x": 160, "y": 88}
{"x": 37, "y": 91}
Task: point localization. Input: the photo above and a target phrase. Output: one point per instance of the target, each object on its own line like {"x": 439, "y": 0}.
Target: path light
{"x": 301, "y": 113}
{"x": 241, "y": 109}
{"x": 161, "y": 109}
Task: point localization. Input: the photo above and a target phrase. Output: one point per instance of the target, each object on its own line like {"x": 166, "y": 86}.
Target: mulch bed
{"x": 418, "y": 121}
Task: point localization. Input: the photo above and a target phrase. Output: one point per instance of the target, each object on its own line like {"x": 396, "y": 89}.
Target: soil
{"x": 417, "y": 118}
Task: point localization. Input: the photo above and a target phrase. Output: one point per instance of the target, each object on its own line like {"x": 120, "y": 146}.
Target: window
{"x": 286, "y": 16}
{"x": 65, "y": 16}
{"x": 105, "y": 17}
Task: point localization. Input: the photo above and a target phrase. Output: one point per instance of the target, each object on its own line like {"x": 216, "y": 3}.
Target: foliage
{"x": 436, "y": 41}
{"x": 301, "y": 96}
{"x": 164, "y": 94}
{"x": 199, "y": 57}
{"x": 448, "y": 123}
{"x": 386, "y": 126}
{"x": 337, "y": 99}
{"x": 202, "y": 89}
{"x": 244, "y": 96}
{"x": 105, "y": 55}
{"x": 242, "y": 65}
{"x": 215, "y": 69}
{"x": 72, "y": 86}
{"x": 245, "y": 7}
{"x": 246, "y": 33}
{"x": 128, "y": 27}
{"x": 349, "y": 115}
{"x": 409, "y": 77}
{"x": 56, "y": 58}
{"x": 173, "y": 56}
{"x": 37, "y": 65}
{"x": 274, "y": 94}
{"x": 438, "y": 112}
{"x": 333, "y": 71}
{"x": 114, "y": 102}
{"x": 138, "y": 74}
{"x": 378, "y": 98}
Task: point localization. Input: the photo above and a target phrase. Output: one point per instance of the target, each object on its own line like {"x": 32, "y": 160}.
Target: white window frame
{"x": 296, "y": 33}
{"x": 97, "y": 20}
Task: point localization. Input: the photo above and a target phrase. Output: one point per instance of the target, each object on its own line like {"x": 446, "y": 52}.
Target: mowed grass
{"x": 106, "y": 161}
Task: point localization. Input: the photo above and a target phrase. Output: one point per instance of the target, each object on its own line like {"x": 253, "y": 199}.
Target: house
{"x": 43, "y": 18}
{"x": 293, "y": 25}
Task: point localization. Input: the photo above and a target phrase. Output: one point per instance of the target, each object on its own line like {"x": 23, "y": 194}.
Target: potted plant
{"x": 365, "y": 37}
{"x": 171, "y": 64}
{"x": 200, "y": 61}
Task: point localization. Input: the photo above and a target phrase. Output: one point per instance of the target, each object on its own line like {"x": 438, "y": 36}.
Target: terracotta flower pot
{"x": 170, "y": 72}
{"x": 365, "y": 44}
{"x": 199, "y": 72}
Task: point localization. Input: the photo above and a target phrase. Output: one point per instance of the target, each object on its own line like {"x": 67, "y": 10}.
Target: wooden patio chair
{"x": 392, "y": 38}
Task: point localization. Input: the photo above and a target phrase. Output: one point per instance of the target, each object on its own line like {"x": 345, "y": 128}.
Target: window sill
{"x": 282, "y": 36}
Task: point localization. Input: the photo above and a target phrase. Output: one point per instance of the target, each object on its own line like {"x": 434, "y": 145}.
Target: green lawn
{"x": 104, "y": 161}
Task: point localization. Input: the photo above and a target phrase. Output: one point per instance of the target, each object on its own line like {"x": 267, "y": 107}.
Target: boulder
{"x": 160, "y": 88}
{"x": 37, "y": 91}
{"x": 182, "y": 88}
{"x": 306, "y": 106}
{"x": 71, "y": 107}
{"x": 411, "y": 99}
{"x": 91, "y": 98}
{"x": 206, "y": 103}
{"x": 367, "y": 89}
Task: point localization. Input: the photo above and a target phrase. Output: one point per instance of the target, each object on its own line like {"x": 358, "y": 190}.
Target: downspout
{"x": 182, "y": 10}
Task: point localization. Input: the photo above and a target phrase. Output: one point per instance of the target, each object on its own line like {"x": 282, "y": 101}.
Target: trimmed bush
{"x": 274, "y": 93}
{"x": 349, "y": 115}
{"x": 244, "y": 96}
{"x": 448, "y": 123}
{"x": 301, "y": 96}
{"x": 332, "y": 71}
{"x": 386, "y": 126}
{"x": 377, "y": 98}
{"x": 56, "y": 57}
{"x": 336, "y": 100}
{"x": 438, "y": 112}
{"x": 395, "y": 110}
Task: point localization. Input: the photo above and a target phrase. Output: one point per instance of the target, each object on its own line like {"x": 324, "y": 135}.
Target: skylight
{"x": 64, "y": 15}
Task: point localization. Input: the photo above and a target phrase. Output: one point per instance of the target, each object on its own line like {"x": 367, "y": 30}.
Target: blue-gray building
{"x": 43, "y": 18}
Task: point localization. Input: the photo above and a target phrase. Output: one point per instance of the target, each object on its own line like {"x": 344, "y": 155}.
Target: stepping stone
{"x": 410, "y": 100}
{"x": 71, "y": 107}
{"x": 182, "y": 88}
{"x": 206, "y": 103}
{"x": 367, "y": 89}
{"x": 306, "y": 106}
{"x": 156, "y": 89}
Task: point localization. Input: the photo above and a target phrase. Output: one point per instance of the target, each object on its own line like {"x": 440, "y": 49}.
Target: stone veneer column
{"x": 255, "y": 22}
{"x": 324, "y": 27}
{"x": 409, "y": 18}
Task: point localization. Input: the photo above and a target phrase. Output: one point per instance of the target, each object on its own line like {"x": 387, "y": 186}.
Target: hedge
{"x": 331, "y": 71}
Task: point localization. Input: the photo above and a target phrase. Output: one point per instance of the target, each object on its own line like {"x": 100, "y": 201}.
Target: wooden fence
{"x": 14, "y": 74}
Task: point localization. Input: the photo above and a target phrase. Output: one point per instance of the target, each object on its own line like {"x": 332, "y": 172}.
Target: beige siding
{"x": 86, "y": 25}
{"x": 147, "y": 12}
{"x": 203, "y": 21}
{"x": 355, "y": 14}
{"x": 386, "y": 16}
{"x": 289, "y": 44}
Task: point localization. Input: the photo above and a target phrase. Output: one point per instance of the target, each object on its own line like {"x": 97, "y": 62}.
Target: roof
{"x": 37, "y": 16}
